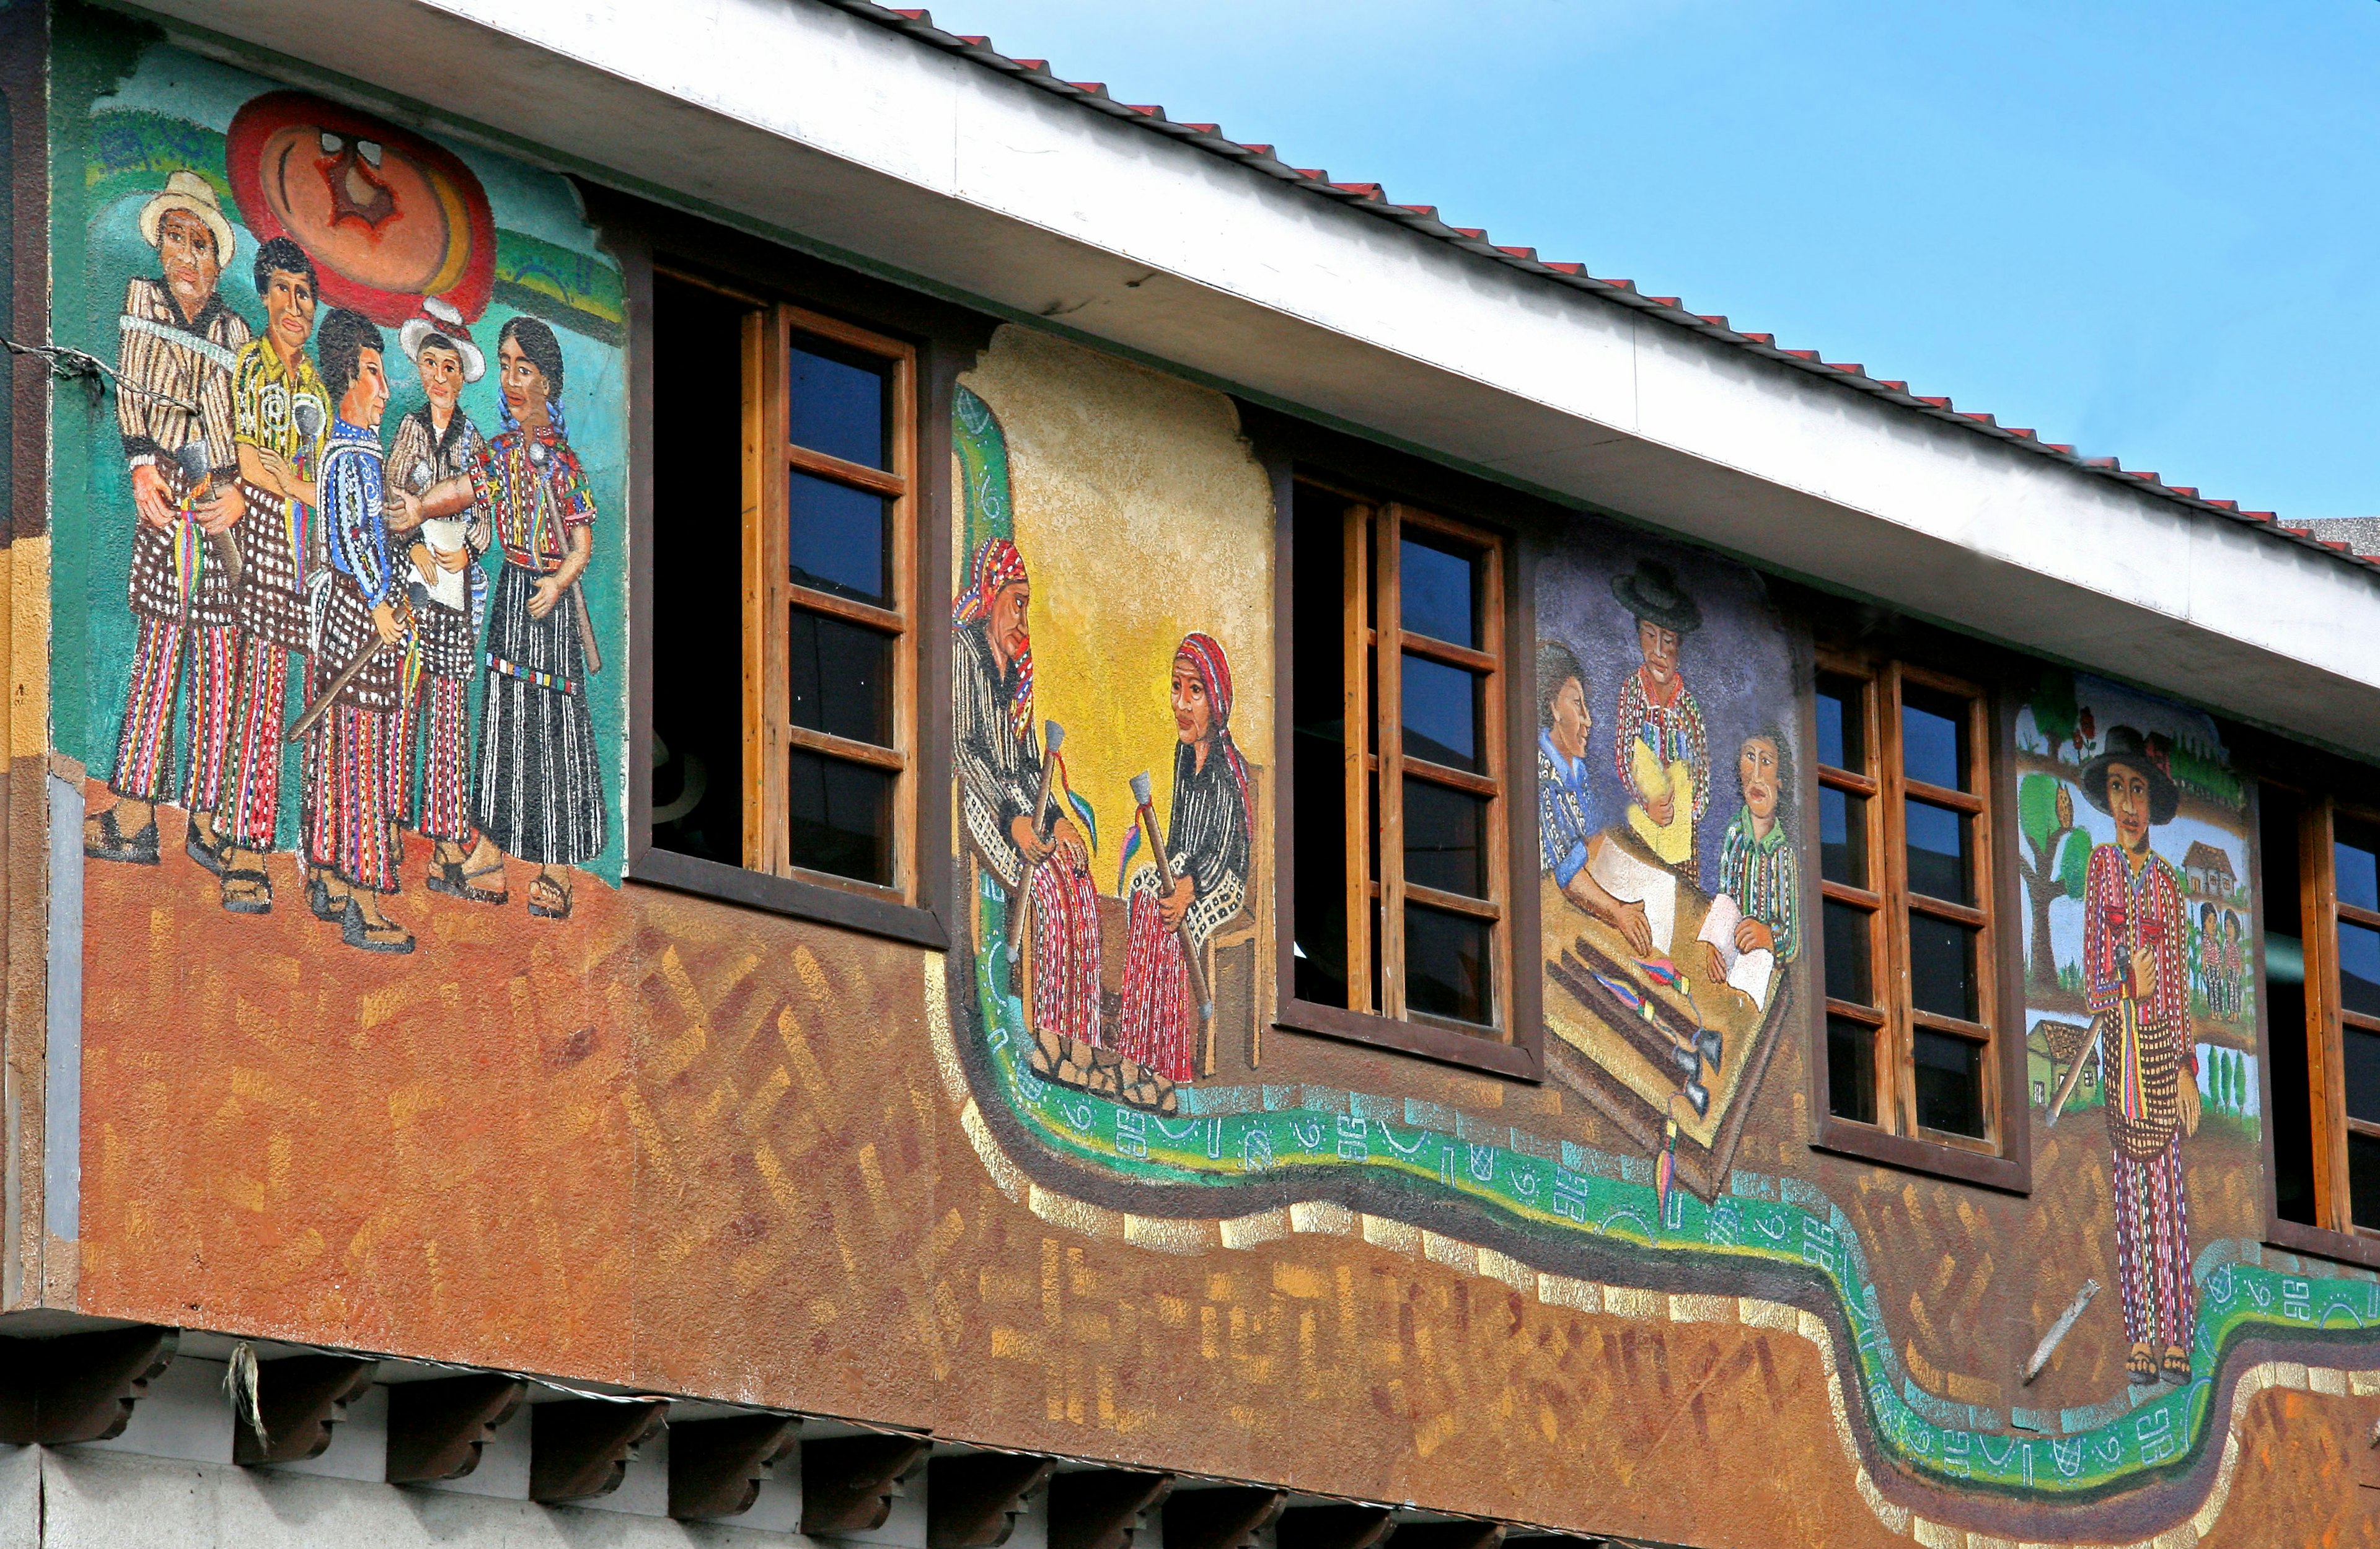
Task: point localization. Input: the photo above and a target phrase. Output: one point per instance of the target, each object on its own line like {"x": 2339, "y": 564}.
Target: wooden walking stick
{"x": 2074, "y": 1072}
{"x": 1053, "y": 736}
{"x": 1182, "y": 930}
{"x": 321, "y": 707}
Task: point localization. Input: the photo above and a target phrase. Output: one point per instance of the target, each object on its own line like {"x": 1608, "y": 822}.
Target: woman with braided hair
{"x": 1206, "y": 850}
{"x": 537, "y": 792}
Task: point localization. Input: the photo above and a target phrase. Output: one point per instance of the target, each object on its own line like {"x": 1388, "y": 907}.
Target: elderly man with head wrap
{"x": 998, "y": 750}
{"x": 1206, "y": 849}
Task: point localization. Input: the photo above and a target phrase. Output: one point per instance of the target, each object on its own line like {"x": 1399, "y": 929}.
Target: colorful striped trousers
{"x": 2153, "y": 1248}
{"x": 350, "y": 816}
{"x": 259, "y": 724}
{"x": 144, "y": 750}
{"x": 445, "y": 705}
{"x": 1065, "y": 954}
{"x": 1158, "y": 1024}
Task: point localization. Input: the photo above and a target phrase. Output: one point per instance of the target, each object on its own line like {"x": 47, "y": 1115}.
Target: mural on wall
{"x": 1115, "y": 540}
{"x": 2138, "y": 983}
{"x": 1668, "y": 741}
{"x": 1673, "y": 894}
{"x": 357, "y": 620}
{"x": 1125, "y": 932}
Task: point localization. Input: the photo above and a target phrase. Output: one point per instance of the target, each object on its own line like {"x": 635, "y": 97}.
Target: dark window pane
{"x": 1949, "y": 1082}
{"x": 1446, "y": 838}
{"x": 1843, "y": 743}
{"x": 841, "y": 678}
{"x": 1934, "y": 737}
{"x": 2359, "y": 968}
{"x": 2363, "y": 1074}
{"x": 1850, "y": 1070}
{"x": 838, "y": 401}
{"x": 2359, "y": 864}
{"x": 840, "y": 539}
{"x": 1847, "y": 953}
{"x": 1441, "y": 713}
{"x": 1438, "y": 593}
{"x": 1842, "y": 837}
{"x": 1940, "y": 865}
{"x": 698, "y": 636}
{"x": 1941, "y": 967}
{"x": 839, "y": 817}
{"x": 1316, "y": 710}
{"x": 2363, "y": 1179}
{"x": 1446, "y": 962}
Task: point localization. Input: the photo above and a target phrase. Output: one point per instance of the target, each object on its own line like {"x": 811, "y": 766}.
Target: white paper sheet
{"x": 450, "y": 588}
{"x": 1634, "y": 881}
{"x": 1749, "y": 971}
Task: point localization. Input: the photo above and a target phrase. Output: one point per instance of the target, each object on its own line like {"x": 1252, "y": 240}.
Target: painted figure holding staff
{"x": 1006, "y": 783}
{"x": 1193, "y": 884}
{"x": 174, "y": 407}
{"x": 353, "y": 725}
{"x": 2136, "y": 975}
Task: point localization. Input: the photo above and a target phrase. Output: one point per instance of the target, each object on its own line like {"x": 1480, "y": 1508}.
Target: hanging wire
{"x": 67, "y": 364}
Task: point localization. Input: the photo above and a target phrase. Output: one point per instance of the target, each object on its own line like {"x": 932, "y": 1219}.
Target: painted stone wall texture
{"x": 699, "y": 1149}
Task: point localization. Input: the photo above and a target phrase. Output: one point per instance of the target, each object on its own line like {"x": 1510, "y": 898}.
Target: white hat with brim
{"x": 186, "y": 190}
{"x": 447, "y": 324}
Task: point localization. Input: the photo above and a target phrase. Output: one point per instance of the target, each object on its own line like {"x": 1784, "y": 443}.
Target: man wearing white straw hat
{"x": 174, "y": 408}
{"x": 435, "y": 447}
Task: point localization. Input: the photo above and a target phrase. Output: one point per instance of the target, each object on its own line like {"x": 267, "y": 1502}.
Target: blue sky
{"x": 2152, "y": 230}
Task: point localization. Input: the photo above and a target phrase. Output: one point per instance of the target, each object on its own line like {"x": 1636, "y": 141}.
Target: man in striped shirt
{"x": 174, "y": 406}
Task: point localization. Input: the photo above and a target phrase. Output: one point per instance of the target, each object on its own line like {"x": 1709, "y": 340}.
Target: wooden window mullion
{"x": 2326, "y": 1068}
{"x": 1893, "y": 818}
{"x": 1500, "y": 945}
{"x": 763, "y": 536}
{"x": 1986, "y": 958}
{"x": 1389, "y": 689}
{"x": 1355, "y": 740}
{"x": 906, "y": 603}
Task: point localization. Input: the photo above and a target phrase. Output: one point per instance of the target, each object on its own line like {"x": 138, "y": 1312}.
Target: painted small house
{"x": 771, "y": 781}
{"x": 2208, "y": 870}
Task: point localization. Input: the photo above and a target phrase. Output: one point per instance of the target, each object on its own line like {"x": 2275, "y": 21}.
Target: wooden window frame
{"x": 1513, "y": 1046}
{"x": 770, "y": 735}
{"x": 2334, "y": 1234}
{"x": 2001, "y": 1159}
{"x": 944, "y": 341}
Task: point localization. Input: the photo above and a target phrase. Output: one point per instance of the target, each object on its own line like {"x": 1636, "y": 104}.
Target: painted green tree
{"x": 2054, "y": 712}
{"x": 2056, "y": 857}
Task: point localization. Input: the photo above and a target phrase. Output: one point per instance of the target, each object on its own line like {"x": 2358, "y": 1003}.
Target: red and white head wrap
{"x": 1205, "y": 655}
{"x": 998, "y": 564}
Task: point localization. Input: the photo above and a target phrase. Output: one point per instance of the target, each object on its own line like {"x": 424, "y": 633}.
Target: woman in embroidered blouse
{"x": 1208, "y": 852}
{"x": 537, "y": 790}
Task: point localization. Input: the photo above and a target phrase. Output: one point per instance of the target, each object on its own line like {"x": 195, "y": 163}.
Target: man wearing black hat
{"x": 1659, "y": 746}
{"x": 2136, "y": 973}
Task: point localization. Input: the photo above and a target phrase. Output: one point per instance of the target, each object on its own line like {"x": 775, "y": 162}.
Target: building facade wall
{"x": 668, "y": 1143}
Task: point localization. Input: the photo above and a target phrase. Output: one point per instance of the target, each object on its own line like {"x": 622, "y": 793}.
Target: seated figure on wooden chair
{"x": 1207, "y": 859}
{"x": 1038, "y": 857}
